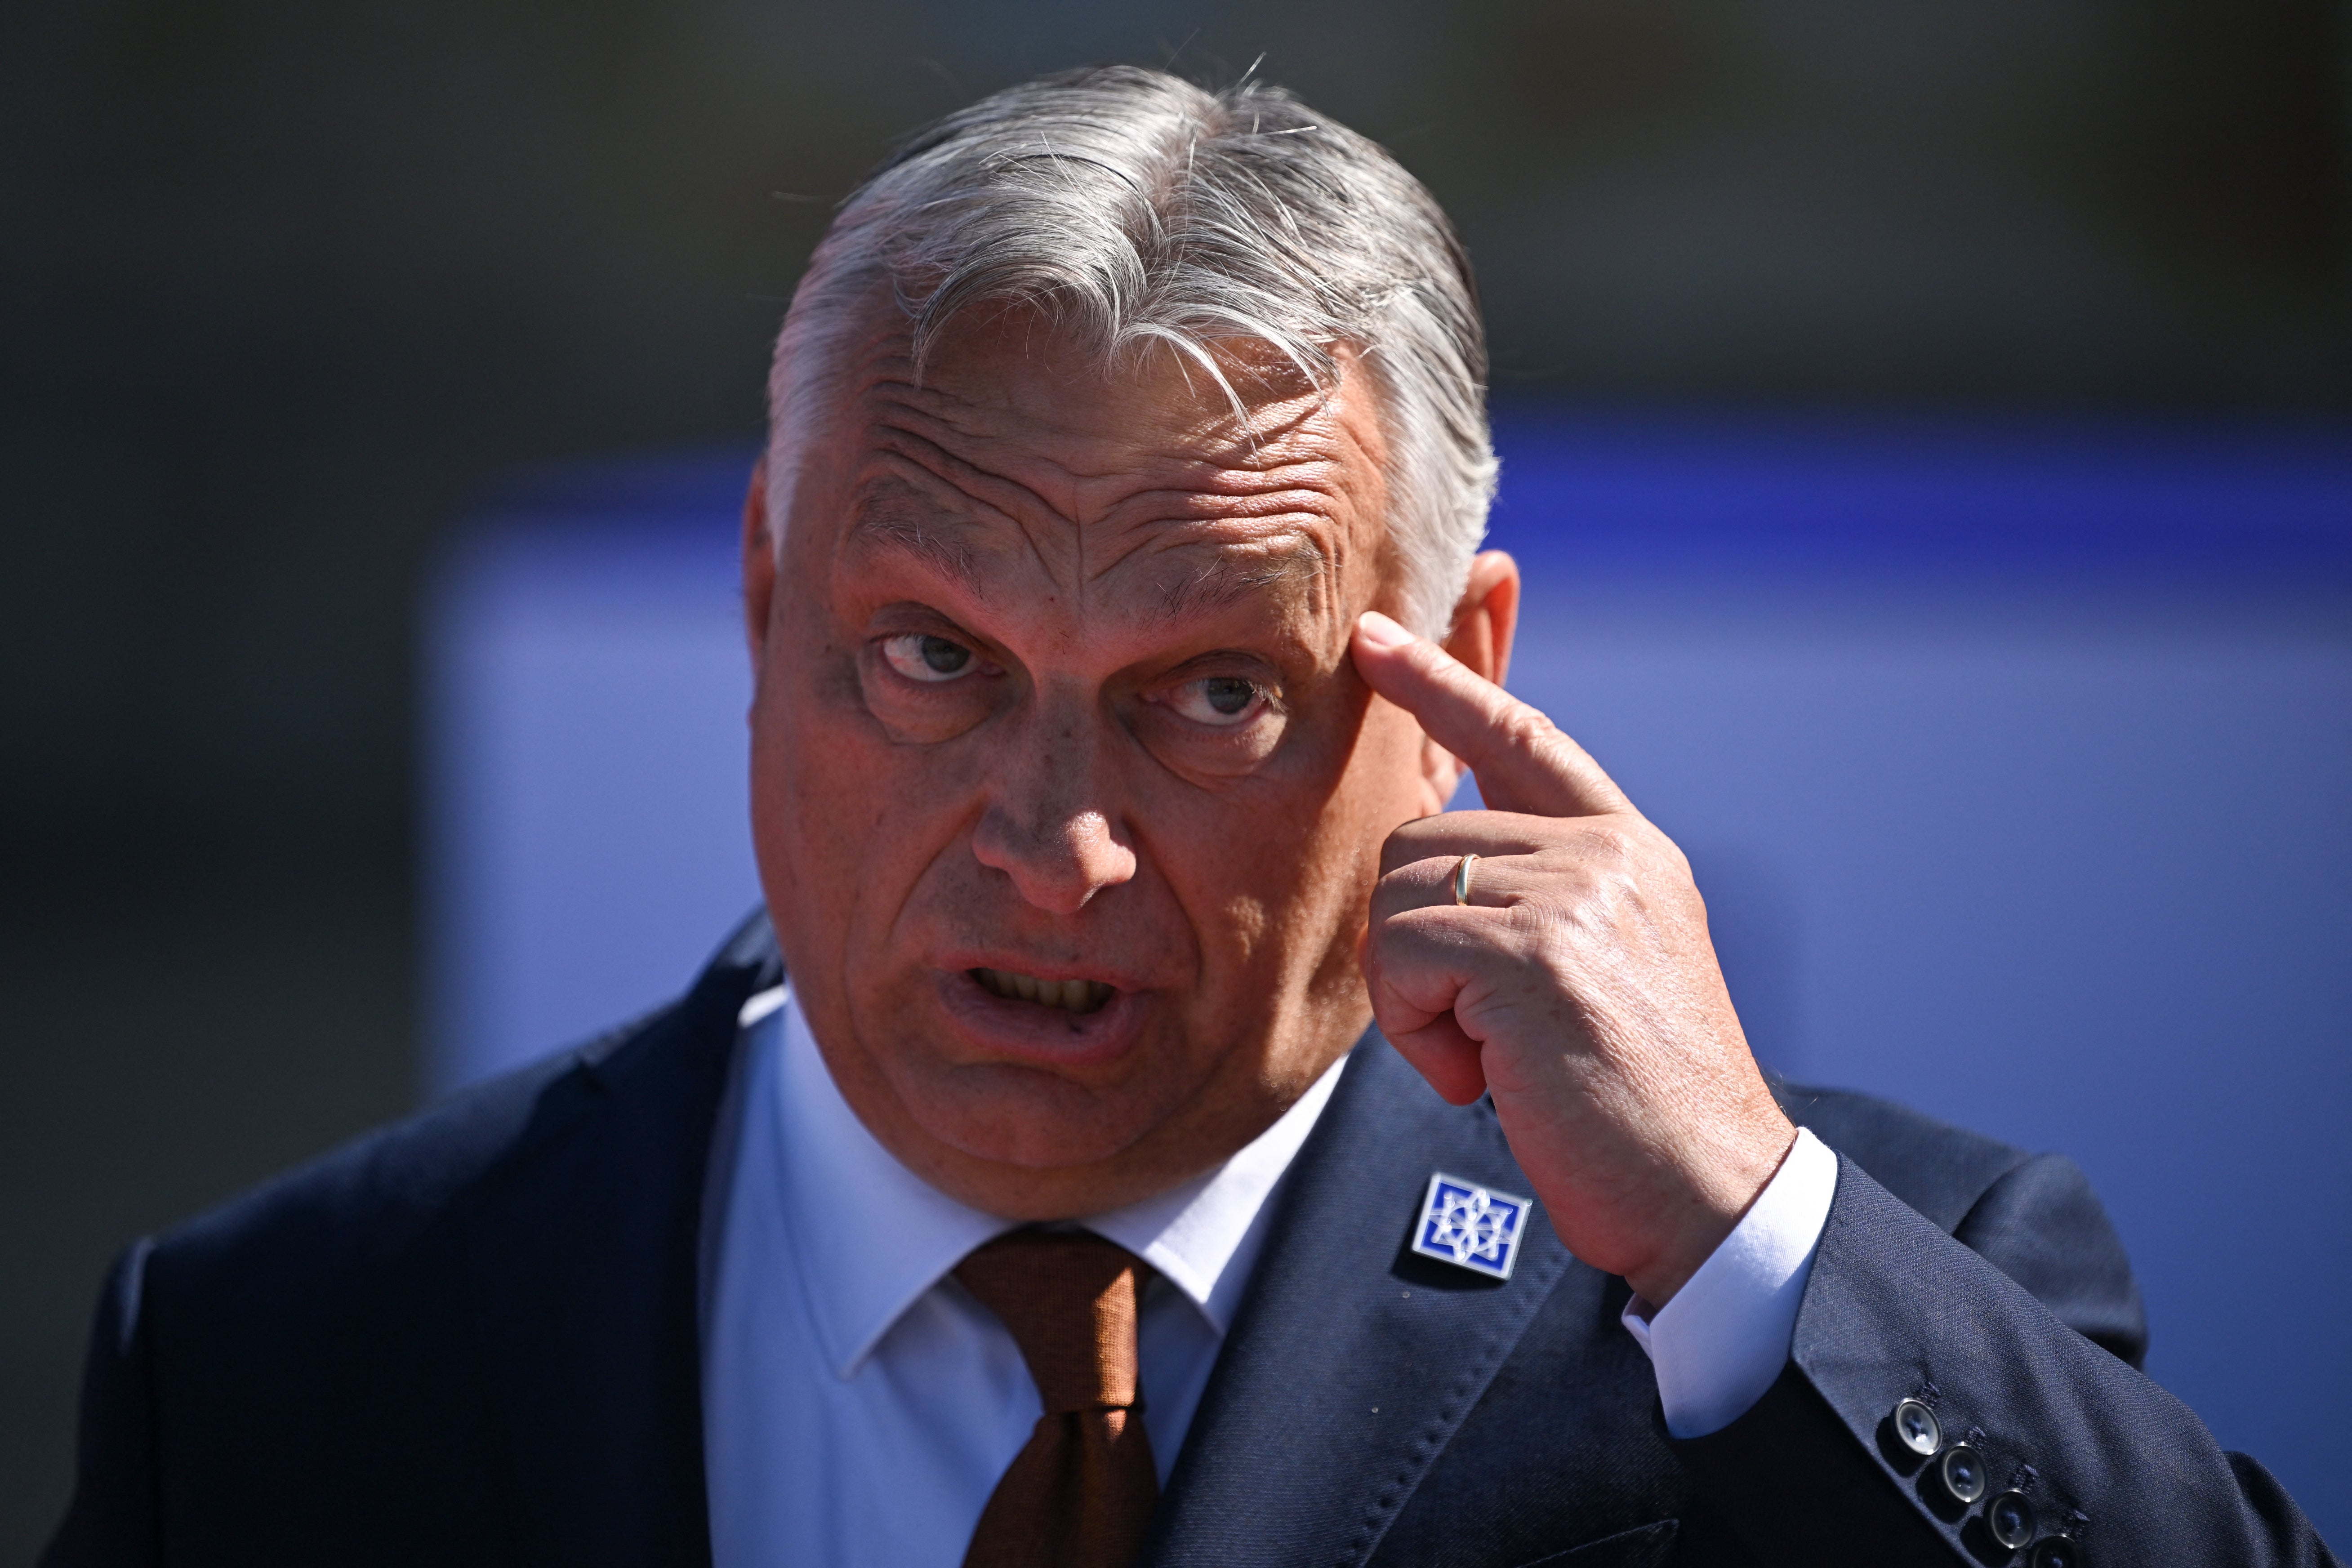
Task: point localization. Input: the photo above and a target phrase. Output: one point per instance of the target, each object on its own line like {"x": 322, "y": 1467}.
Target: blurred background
{"x": 1925, "y": 426}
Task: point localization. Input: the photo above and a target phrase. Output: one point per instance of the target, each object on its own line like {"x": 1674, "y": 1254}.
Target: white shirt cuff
{"x": 1724, "y": 1338}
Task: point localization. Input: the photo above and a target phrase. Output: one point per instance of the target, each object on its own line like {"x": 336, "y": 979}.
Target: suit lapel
{"x": 583, "y": 1248}
{"x": 1351, "y": 1362}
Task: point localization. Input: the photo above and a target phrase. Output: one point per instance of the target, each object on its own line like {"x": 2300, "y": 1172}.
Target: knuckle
{"x": 1529, "y": 729}
{"x": 1605, "y": 843}
{"x": 1409, "y": 843}
{"x": 1393, "y": 896}
{"x": 1586, "y": 905}
{"x": 1415, "y": 831}
{"x": 1671, "y": 852}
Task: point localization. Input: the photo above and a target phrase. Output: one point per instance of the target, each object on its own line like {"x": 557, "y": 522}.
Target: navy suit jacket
{"x": 471, "y": 1340}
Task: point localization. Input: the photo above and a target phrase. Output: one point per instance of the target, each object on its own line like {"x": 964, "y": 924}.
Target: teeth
{"x": 1070, "y": 995}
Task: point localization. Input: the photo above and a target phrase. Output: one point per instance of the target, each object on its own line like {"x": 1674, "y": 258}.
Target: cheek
{"x": 1281, "y": 868}
{"x": 912, "y": 714}
{"x": 835, "y": 802}
{"x": 1205, "y": 755}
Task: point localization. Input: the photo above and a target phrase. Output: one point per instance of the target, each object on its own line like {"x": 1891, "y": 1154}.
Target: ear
{"x": 759, "y": 565}
{"x": 1485, "y": 619}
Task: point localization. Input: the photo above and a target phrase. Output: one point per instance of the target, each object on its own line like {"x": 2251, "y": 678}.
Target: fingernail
{"x": 1381, "y": 632}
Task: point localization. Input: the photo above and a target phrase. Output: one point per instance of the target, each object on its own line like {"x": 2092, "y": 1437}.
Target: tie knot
{"x": 1068, "y": 1299}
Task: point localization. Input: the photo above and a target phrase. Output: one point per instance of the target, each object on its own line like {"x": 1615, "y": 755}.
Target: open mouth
{"x": 1070, "y": 995}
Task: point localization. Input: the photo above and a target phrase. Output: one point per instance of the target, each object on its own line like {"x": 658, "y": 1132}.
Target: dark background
{"x": 283, "y": 286}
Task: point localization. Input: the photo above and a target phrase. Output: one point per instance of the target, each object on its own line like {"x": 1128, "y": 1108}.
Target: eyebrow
{"x": 1228, "y": 577}
{"x": 890, "y": 517}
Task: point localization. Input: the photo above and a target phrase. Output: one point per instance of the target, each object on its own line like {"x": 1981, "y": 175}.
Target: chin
{"x": 1030, "y": 1119}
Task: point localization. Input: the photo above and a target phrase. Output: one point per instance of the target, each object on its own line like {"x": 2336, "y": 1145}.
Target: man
{"x": 1054, "y": 1174}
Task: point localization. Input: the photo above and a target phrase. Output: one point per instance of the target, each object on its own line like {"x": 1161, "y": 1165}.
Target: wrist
{"x": 1716, "y": 1195}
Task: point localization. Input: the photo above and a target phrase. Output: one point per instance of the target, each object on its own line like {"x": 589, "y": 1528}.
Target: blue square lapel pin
{"x": 1471, "y": 1226}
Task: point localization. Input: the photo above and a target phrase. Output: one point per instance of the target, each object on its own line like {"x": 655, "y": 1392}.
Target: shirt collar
{"x": 863, "y": 1263}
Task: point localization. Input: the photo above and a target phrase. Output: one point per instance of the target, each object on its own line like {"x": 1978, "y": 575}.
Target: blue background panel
{"x": 2015, "y": 762}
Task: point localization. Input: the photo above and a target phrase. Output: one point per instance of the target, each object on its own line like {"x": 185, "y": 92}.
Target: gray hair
{"x": 1136, "y": 208}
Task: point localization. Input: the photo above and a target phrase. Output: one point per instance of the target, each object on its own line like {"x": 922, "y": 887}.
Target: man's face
{"x": 1066, "y": 795}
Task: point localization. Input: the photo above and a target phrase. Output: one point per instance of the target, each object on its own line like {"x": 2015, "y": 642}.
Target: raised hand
{"x": 1578, "y": 984}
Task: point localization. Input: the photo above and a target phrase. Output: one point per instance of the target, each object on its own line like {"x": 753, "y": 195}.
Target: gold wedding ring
{"x": 1462, "y": 879}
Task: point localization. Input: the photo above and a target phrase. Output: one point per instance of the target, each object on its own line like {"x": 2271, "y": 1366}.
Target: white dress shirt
{"x": 859, "y": 1406}
{"x": 1719, "y": 1343}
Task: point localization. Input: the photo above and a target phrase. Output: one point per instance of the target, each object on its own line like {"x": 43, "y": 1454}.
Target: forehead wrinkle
{"x": 950, "y": 433}
{"x": 1253, "y": 560}
{"x": 985, "y": 496}
{"x": 1210, "y": 455}
{"x": 1191, "y": 457}
{"x": 1289, "y": 441}
{"x": 1275, "y": 494}
{"x": 1233, "y": 512}
{"x": 1187, "y": 571}
{"x": 889, "y": 512}
{"x": 1005, "y": 496}
{"x": 1310, "y": 473}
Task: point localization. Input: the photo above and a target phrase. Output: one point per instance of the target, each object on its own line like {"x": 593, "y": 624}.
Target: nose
{"x": 1045, "y": 827}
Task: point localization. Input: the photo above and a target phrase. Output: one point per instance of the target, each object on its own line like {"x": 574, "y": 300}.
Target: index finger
{"x": 1523, "y": 761}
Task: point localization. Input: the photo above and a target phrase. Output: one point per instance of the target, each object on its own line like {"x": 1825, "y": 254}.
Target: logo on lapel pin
{"x": 1471, "y": 1226}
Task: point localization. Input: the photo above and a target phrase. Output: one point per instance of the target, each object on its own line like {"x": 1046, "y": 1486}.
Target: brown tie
{"x": 1080, "y": 1494}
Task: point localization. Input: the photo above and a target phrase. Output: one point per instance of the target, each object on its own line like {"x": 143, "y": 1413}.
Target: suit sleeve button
{"x": 2010, "y": 1518}
{"x": 1916, "y": 1429}
{"x": 1962, "y": 1471}
{"x": 2056, "y": 1551}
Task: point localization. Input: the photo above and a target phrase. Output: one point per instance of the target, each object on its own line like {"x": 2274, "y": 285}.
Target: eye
{"x": 918, "y": 656}
{"x": 1222, "y": 700}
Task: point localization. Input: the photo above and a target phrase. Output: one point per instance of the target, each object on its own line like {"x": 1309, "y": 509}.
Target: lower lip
{"x": 1033, "y": 1032}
